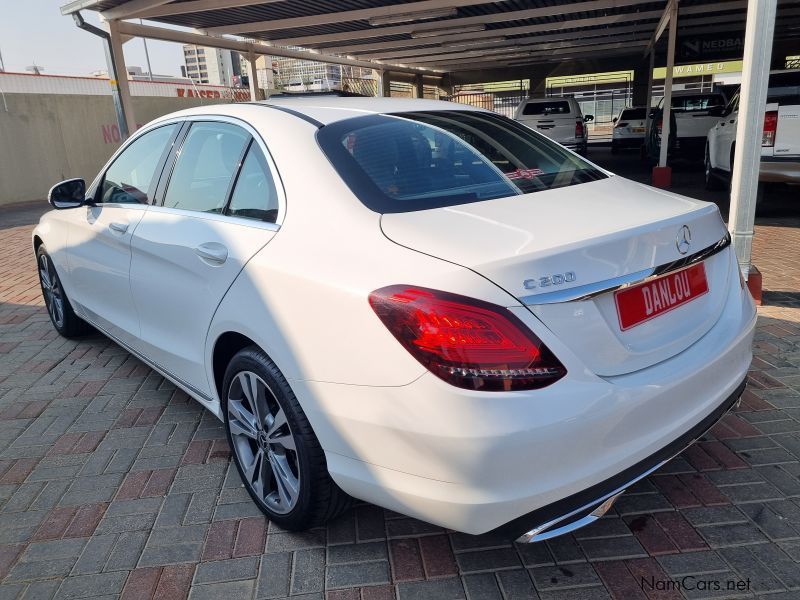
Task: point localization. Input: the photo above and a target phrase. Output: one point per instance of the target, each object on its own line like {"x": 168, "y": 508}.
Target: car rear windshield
{"x": 555, "y": 107}
{"x": 634, "y": 113}
{"x": 696, "y": 103}
{"x": 420, "y": 160}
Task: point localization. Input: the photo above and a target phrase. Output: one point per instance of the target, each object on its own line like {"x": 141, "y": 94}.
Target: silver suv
{"x": 560, "y": 119}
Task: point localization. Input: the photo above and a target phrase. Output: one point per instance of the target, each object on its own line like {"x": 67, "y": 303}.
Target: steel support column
{"x": 126, "y": 123}
{"x": 255, "y": 90}
{"x": 118, "y": 77}
{"x": 377, "y": 75}
{"x": 759, "y": 31}
{"x": 386, "y": 84}
{"x": 665, "y": 127}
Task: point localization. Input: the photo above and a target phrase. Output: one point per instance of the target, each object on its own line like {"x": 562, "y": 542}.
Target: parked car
{"x": 629, "y": 128}
{"x": 560, "y": 119}
{"x": 695, "y": 113}
{"x": 423, "y": 305}
{"x": 780, "y": 141}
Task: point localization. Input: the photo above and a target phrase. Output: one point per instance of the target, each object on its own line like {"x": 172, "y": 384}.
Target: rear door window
{"x": 254, "y": 196}
{"x": 554, "y": 107}
{"x": 633, "y": 114}
{"x": 419, "y": 160}
{"x": 203, "y": 174}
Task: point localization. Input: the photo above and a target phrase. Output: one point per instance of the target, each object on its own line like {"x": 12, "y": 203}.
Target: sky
{"x": 35, "y": 30}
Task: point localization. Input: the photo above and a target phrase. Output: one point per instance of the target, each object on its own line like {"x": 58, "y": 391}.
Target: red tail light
{"x": 620, "y": 124}
{"x": 770, "y": 125}
{"x": 660, "y": 126}
{"x": 469, "y": 343}
{"x": 579, "y": 129}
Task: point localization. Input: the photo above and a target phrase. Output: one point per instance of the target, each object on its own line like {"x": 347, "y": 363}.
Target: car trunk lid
{"x": 548, "y": 247}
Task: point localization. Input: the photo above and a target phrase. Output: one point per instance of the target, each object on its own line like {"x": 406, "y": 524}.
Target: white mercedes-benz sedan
{"x": 420, "y": 304}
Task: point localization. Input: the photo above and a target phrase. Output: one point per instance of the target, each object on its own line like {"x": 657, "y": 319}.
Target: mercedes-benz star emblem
{"x": 683, "y": 240}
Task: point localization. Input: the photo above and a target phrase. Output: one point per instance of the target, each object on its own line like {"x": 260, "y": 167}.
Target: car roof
{"x": 328, "y": 109}
{"x": 318, "y": 111}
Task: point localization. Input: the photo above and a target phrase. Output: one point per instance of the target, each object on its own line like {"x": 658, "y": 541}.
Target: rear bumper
{"x": 477, "y": 461}
{"x": 779, "y": 170}
{"x": 587, "y": 506}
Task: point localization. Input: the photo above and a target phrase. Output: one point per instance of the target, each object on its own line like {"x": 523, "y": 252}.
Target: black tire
{"x": 317, "y": 499}
{"x": 711, "y": 178}
{"x": 63, "y": 318}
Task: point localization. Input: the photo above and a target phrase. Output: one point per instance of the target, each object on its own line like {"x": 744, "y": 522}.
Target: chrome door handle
{"x": 212, "y": 252}
{"x": 118, "y": 227}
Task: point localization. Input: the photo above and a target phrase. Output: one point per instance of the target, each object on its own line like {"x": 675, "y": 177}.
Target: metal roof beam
{"x": 508, "y": 31}
{"x": 544, "y": 59}
{"x": 185, "y": 37}
{"x": 517, "y": 15}
{"x": 469, "y": 45}
{"x": 669, "y": 10}
{"x": 76, "y": 5}
{"x": 610, "y": 20}
{"x": 408, "y": 8}
{"x": 130, "y": 8}
{"x": 480, "y": 53}
{"x": 197, "y": 6}
{"x": 543, "y": 53}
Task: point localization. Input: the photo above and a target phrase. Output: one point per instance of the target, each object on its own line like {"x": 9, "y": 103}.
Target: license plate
{"x": 637, "y": 129}
{"x": 646, "y": 301}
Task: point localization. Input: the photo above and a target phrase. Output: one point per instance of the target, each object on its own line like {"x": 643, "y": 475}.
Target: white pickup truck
{"x": 780, "y": 142}
{"x": 694, "y": 113}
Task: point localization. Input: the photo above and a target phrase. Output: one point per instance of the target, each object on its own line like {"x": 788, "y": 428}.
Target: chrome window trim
{"x": 209, "y": 216}
{"x": 276, "y": 176}
{"x": 590, "y": 290}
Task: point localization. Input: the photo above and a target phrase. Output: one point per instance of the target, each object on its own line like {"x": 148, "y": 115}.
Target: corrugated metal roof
{"x": 497, "y": 19}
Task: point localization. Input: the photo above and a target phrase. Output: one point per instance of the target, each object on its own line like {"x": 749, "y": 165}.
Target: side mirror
{"x": 716, "y": 111}
{"x": 588, "y": 118}
{"x": 68, "y": 194}
{"x": 615, "y": 119}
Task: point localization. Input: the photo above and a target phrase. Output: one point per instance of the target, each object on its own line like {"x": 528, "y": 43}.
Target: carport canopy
{"x": 465, "y": 41}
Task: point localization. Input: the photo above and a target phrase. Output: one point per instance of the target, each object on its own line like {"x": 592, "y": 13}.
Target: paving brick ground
{"x": 114, "y": 484}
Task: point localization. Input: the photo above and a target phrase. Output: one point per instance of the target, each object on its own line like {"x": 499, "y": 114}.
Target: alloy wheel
{"x": 263, "y": 442}
{"x": 51, "y": 288}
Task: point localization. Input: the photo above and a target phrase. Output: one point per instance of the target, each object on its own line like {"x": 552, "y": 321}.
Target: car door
{"x": 725, "y": 135}
{"x": 219, "y": 207}
{"x": 99, "y": 237}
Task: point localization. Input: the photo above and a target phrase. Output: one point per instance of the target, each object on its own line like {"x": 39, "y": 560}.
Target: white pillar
{"x": 759, "y": 30}
{"x": 378, "y": 74}
{"x": 255, "y": 91}
{"x": 665, "y": 121}
{"x": 121, "y": 81}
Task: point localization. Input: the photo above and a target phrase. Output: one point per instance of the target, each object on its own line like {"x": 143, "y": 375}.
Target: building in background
{"x": 138, "y": 74}
{"x": 213, "y": 66}
{"x": 295, "y": 75}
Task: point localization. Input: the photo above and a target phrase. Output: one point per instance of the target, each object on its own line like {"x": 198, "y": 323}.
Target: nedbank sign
{"x": 711, "y": 47}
